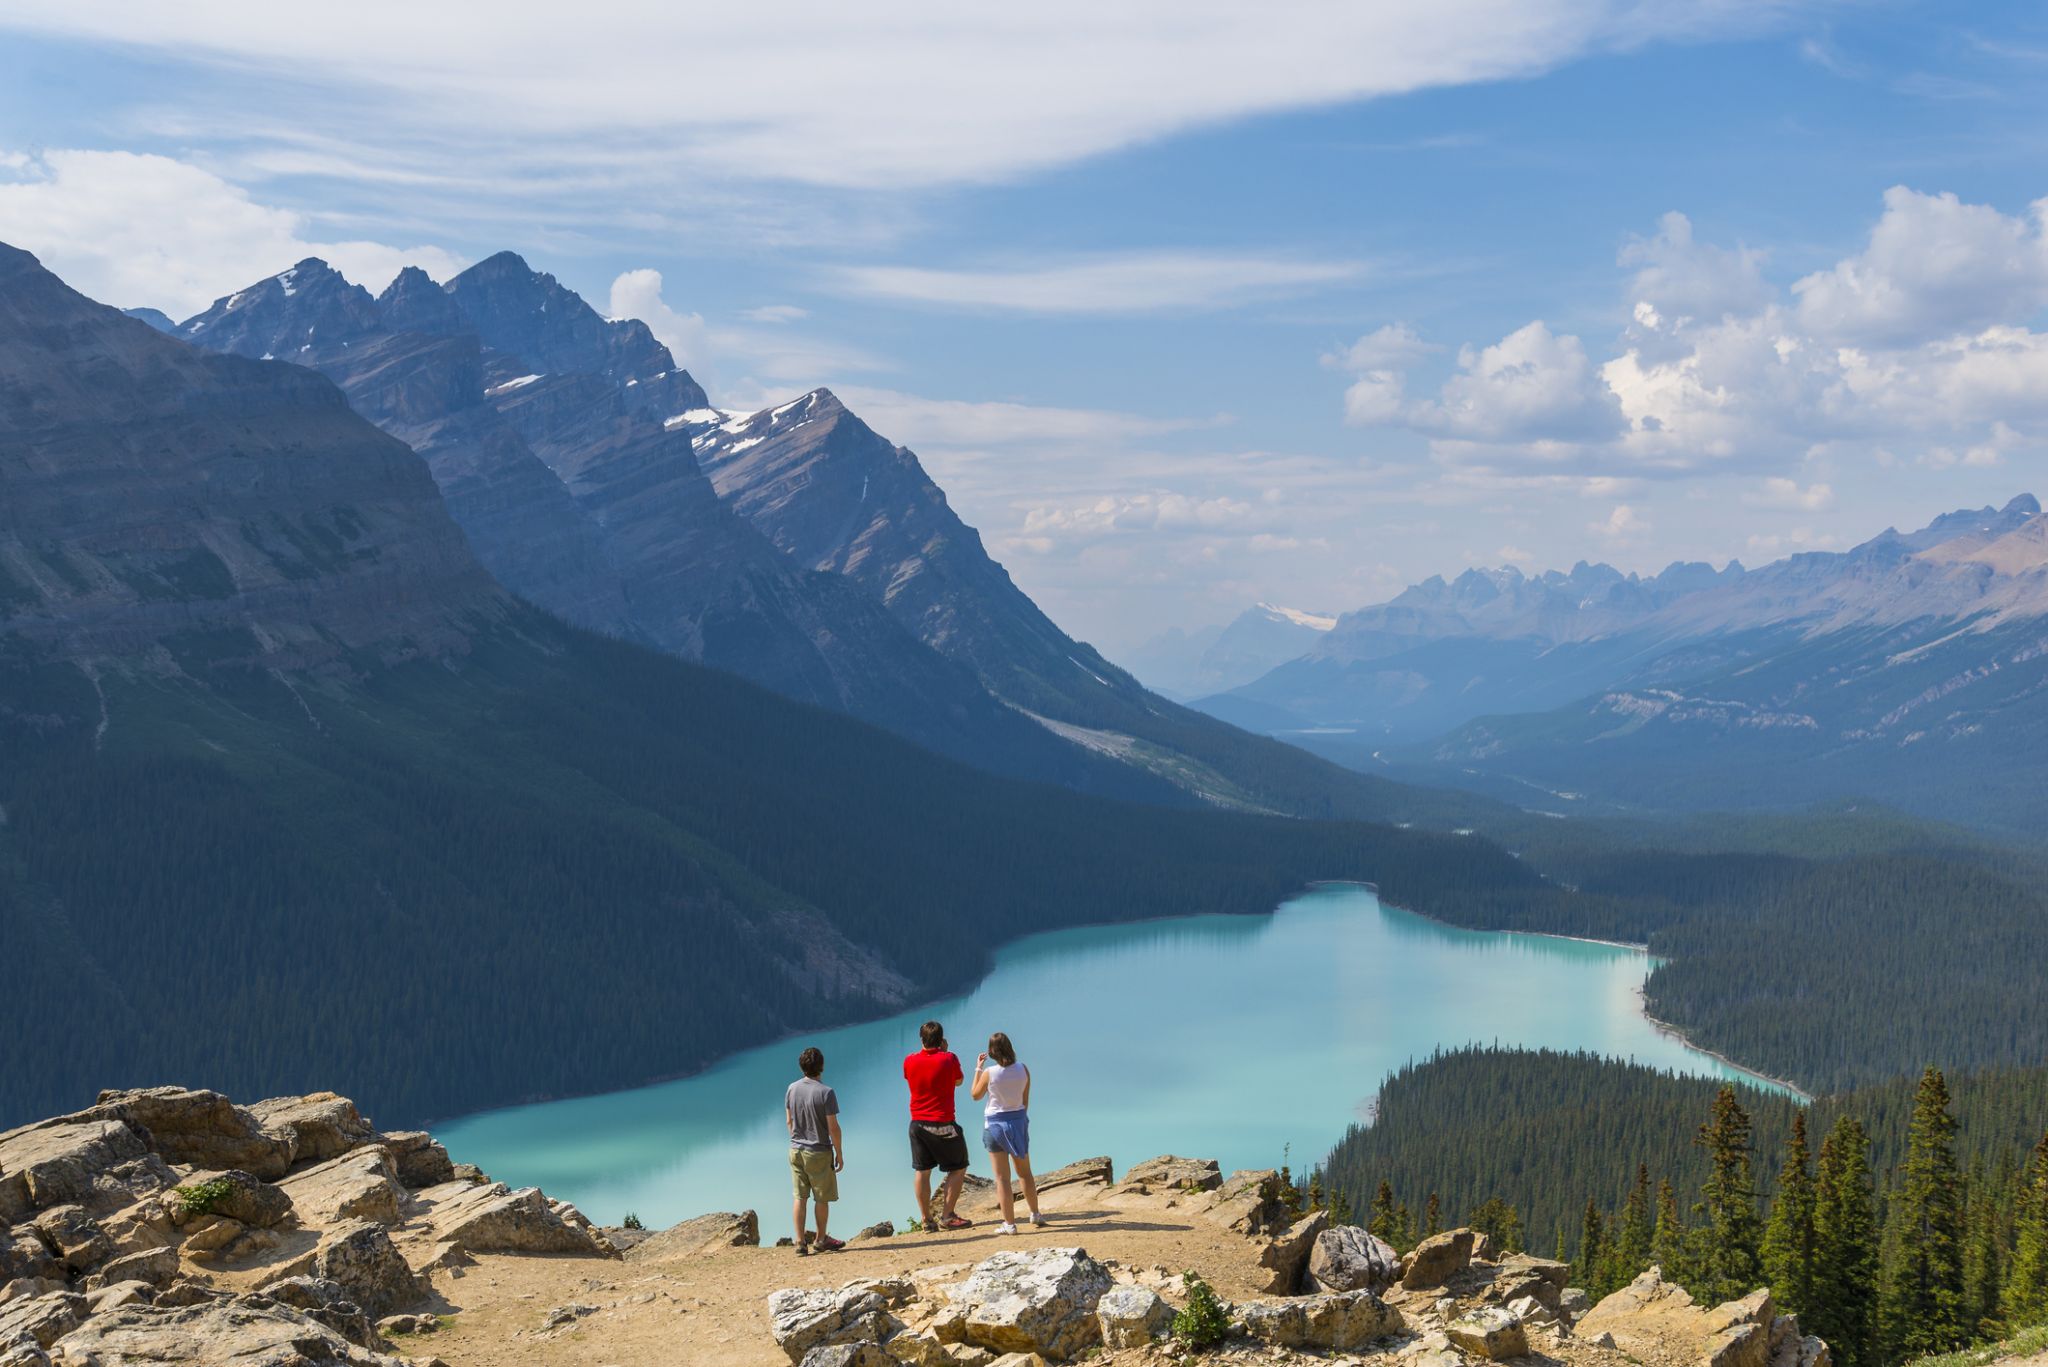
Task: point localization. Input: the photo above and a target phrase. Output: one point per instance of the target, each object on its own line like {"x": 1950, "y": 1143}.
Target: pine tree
{"x": 1845, "y": 1247}
{"x": 1668, "y": 1240}
{"x": 1788, "y": 1238}
{"x": 1589, "y": 1270}
{"x": 2025, "y": 1298}
{"x": 1730, "y": 1264}
{"x": 1404, "y": 1228}
{"x": 1432, "y": 1217}
{"x": 1500, "y": 1221}
{"x": 1630, "y": 1251}
{"x": 1382, "y": 1220}
{"x": 1983, "y": 1260}
{"x": 1920, "y": 1303}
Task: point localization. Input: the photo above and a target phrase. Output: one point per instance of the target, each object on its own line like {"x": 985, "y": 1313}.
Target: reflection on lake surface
{"x": 1233, "y": 1037}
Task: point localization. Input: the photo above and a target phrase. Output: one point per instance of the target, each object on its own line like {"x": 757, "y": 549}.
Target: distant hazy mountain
{"x": 1912, "y": 668}
{"x": 156, "y": 318}
{"x": 1192, "y": 664}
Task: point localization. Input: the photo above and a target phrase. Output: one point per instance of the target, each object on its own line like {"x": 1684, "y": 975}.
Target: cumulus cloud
{"x": 637, "y": 294}
{"x": 1533, "y": 385}
{"x": 1132, "y": 282}
{"x": 886, "y": 93}
{"x": 1778, "y": 492}
{"x": 1622, "y": 525}
{"x": 1378, "y": 359}
{"x": 1933, "y": 264}
{"x": 1922, "y": 336}
{"x": 131, "y": 229}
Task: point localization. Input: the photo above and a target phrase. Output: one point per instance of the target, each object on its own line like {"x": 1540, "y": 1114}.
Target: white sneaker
{"x": 1006, "y": 1228}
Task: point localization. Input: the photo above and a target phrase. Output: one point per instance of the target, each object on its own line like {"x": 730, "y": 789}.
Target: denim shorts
{"x": 1007, "y": 1132}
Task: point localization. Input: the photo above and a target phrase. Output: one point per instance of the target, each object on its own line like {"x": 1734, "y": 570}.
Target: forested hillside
{"x": 1898, "y": 1219}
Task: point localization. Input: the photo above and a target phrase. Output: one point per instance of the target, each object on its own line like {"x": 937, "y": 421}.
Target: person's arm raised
{"x": 979, "y": 1089}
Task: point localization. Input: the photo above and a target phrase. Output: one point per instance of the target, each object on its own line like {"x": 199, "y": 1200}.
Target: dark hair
{"x": 811, "y": 1061}
{"x": 1001, "y": 1050}
{"x": 933, "y": 1034}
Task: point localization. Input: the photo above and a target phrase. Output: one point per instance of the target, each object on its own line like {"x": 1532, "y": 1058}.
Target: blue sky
{"x": 1187, "y": 305}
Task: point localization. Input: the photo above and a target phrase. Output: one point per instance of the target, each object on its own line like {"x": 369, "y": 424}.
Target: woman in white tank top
{"x": 1006, "y": 1128}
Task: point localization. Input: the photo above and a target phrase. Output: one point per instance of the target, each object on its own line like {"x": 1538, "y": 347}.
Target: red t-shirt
{"x": 932, "y": 1075}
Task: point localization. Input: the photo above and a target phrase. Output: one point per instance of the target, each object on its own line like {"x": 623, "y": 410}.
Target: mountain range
{"x": 1907, "y": 669}
{"x": 794, "y": 546}
{"x": 293, "y": 790}
{"x": 1212, "y": 660}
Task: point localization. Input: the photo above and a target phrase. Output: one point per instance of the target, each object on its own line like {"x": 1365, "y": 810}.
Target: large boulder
{"x": 1132, "y": 1316}
{"x": 1790, "y": 1348}
{"x": 1340, "y": 1321}
{"x": 24, "y": 1254}
{"x": 420, "y": 1158}
{"x": 1489, "y": 1331}
{"x": 361, "y": 1259}
{"x": 56, "y": 1162}
{"x": 1040, "y": 1300}
{"x": 78, "y": 1240}
{"x": 848, "y": 1355}
{"x": 492, "y": 1218}
{"x": 326, "y": 1301}
{"x": 1248, "y": 1203}
{"x": 362, "y": 1184}
{"x": 1170, "y": 1173}
{"x": 232, "y": 1195}
{"x": 1439, "y": 1258}
{"x": 222, "y": 1331}
{"x": 1347, "y": 1258}
{"x": 705, "y": 1234}
{"x": 1285, "y": 1255}
{"x": 1098, "y": 1171}
{"x": 199, "y": 1128}
{"x": 802, "y": 1319}
{"x": 44, "y": 1318}
{"x": 317, "y": 1127}
{"x": 1522, "y": 1275}
{"x": 1653, "y": 1319}
{"x": 155, "y": 1266}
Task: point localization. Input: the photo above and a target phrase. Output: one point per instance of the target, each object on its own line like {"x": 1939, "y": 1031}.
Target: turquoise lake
{"x": 1248, "y": 1039}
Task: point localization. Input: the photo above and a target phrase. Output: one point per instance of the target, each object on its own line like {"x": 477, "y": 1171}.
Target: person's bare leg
{"x": 823, "y": 1209}
{"x": 797, "y": 1215}
{"x": 954, "y": 1181}
{"x": 1001, "y": 1163}
{"x": 1030, "y": 1186}
{"x": 924, "y": 1194}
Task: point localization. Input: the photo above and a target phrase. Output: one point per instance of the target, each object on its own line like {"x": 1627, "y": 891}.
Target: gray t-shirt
{"x": 809, "y": 1102}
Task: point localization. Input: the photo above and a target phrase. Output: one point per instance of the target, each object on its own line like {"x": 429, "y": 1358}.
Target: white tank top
{"x": 1006, "y": 1087}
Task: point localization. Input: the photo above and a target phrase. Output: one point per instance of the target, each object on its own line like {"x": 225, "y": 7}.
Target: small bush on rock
{"x": 203, "y": 1198}
{"x": 1204, "y": 1321}
{"x": 631, "y": 1221}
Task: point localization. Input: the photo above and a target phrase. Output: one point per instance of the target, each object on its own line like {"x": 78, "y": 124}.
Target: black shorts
{"x": 934, "y": 1145}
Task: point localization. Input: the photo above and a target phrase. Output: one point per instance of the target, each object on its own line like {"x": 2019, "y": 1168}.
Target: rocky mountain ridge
{"x": 544, "y": 426}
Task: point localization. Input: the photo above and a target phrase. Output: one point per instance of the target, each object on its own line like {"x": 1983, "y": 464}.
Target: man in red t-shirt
{"x": 933, "y": 1073}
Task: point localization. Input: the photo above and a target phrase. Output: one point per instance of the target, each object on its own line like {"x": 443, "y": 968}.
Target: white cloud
{"x": 1778, "y": 492}
{"x": 886, "y": 93}
{"x": 1622, "y": 525}
{"x": 1933, "y": 264}
{"x": 1531, "y": 386}
{"x": 775, "y": 313}
{"x": 1142, "y": 512}
{"x": 1679, "y": 277}
{"x": 132, "y": 229}
{"x": 1378, "y": 359}
{"x": 1133, "y": 282}
{"x": 637, "y": 294}
{"x": 1921, "y": 338}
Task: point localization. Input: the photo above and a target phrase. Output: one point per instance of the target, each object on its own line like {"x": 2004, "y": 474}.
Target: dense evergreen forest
{"x": 561, "y": 865}
{"x": 1947, "y": 939}
{"x": 1900, "y": 1219}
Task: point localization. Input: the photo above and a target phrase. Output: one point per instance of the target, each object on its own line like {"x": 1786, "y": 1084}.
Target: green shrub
{"x": 631, "y": 1221}
{"x": 203, "y": 1198}
{"x": 1204, "y": 1321}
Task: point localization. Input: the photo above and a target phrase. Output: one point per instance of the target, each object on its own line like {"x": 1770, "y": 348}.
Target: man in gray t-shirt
{"x": 816, "y": 1152}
